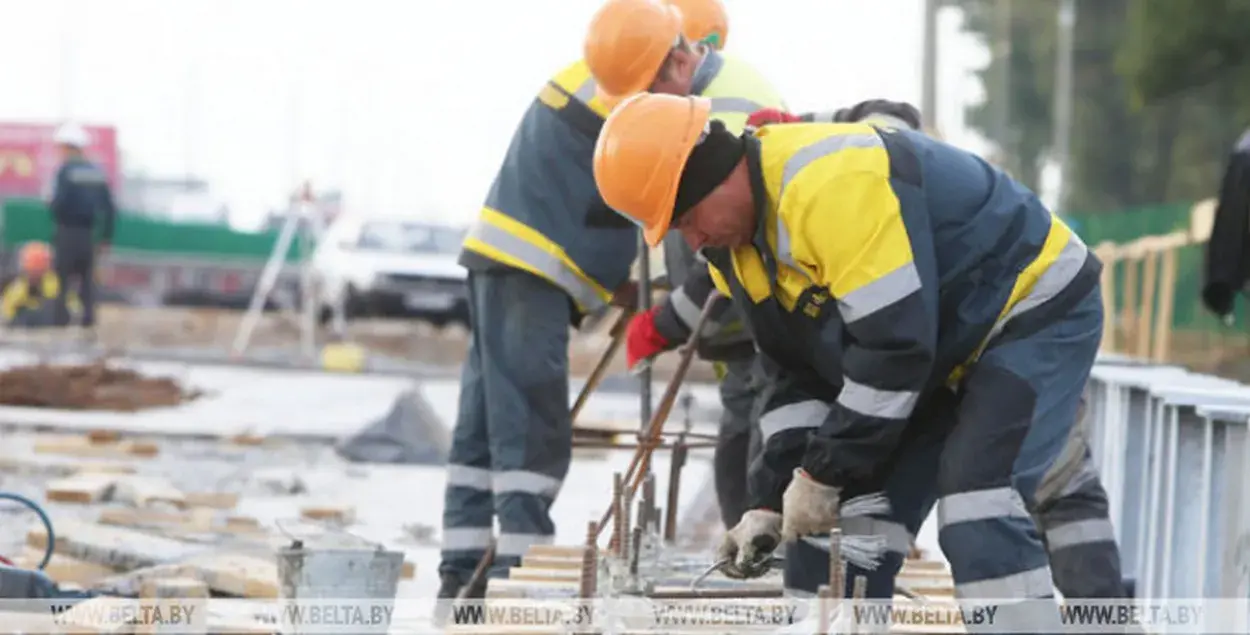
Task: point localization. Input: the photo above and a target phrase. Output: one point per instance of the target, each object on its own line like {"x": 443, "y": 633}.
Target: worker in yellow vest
{"x": 30, "y": 299}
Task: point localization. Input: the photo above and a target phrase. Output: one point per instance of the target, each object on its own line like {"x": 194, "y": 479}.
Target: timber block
{"x": 177, "y": 605}
{"x": 81, "y": 488}
{"x": 114, "y": 547}
{"x": 342, "y": 514}
{"x": 544, "y": 562}
{"x": 62, "y": 569}
{"x": 215, "y": 500}
{"x": 81, "y": 445}
{"x": 142, "y": 491}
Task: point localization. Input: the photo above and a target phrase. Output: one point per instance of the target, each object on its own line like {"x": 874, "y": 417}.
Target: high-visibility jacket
{"x": 884, "y": 262}
{"x": 543, "y": 213}
{"x": 23, "y": 293}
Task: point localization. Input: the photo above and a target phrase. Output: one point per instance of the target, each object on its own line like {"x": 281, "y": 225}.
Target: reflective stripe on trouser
{"x": 1017, "y": 408}
{"x": 909, "y": 486}
{"x": 512, "y": 443}
{"x": 737, "y": 443}
{"x": 1074, "y": 516}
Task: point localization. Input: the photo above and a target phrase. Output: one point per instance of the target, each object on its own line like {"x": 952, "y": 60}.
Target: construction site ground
{"x": 208, "y": 489}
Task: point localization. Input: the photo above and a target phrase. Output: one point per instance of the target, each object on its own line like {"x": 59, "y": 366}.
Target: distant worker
{"x": 884, "y": 273}
{"x": 1073, "y": 512}
{"x": 621, "y": 33}
{"x": 545, "y": 252}
{"x": 82, "y": 205}
{"x": 30, "y": 298}
{"x": 1228, "y": 250}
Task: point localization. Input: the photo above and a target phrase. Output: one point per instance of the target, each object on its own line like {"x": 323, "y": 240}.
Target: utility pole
{"x": 1062, "y": 141}
{"x": 929, "y": 81}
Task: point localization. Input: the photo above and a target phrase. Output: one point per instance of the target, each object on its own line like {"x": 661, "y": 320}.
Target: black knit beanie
{"x": 710, "y": 163}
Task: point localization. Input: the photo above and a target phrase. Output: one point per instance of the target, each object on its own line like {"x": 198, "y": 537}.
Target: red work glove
{"x": 770, "y": 115}
{"x": 642, "y": 340}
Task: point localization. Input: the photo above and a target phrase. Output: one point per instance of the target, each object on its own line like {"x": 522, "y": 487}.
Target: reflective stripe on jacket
{"x": 18, "y": 295}
{"x": 544, "y": 214}
{"x": 866, "y": 237}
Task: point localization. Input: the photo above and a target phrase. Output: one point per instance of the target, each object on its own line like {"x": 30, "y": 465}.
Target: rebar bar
{"x": 588, "y": 582}
{"x": 618, "y": 534}
{"x": 635, "y": 549}
{"x": 822, "y": 609}
{"x": 648, "y": 499}
{"x": 837, "y": 569}
{"x": 677, "y": 460}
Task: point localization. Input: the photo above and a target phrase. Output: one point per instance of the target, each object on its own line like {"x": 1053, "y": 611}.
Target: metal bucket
{"x": 340, "y": 590}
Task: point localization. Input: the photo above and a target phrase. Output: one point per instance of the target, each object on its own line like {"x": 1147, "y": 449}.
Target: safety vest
{"x": 834, "y": 244}
{"x": 543, "y": 213}
{"x": 18, "y": 296}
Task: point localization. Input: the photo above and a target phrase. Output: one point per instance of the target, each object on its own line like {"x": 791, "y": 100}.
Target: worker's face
{"x": 724, "y": 218}
{"x": 676, "y": 76}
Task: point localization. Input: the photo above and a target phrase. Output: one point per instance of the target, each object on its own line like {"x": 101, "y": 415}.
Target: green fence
{"x": 1127, "y": 225}
{"x": 26, "y": 219}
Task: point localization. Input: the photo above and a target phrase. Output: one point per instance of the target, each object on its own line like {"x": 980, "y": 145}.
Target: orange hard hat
{"x": 704, "y": 21}
{"x": 641, "y": 153}
{"x": 35, "y": 257}
{"x": 627, "y": 43}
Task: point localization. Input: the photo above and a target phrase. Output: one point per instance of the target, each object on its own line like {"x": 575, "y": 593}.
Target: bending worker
{"x": 81, "y": 205}
{"x": 879, "y": 271}
{"x": 545, "y": 251}
{"x": 1072, "y": 511}
{"x": 618, "y": 36}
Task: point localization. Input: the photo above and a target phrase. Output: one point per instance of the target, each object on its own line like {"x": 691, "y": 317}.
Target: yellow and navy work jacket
{"x": 25, "y": 294}
{"x": 543, "y": 213}
{"x": 884, "y": 262}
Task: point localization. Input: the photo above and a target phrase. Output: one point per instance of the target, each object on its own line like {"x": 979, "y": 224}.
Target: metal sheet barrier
{"x": 1172, "y": 449}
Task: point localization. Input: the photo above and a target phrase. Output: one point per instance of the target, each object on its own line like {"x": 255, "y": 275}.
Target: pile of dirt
{"x": 88, "y": 387}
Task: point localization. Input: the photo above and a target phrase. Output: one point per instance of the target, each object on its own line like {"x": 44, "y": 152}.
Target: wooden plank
{"x": 557, "y": 551}
{"x": 237, "y": 574}
{"x": 63, "y": 569}
{"x": 82, "y": 446}
{"x": 81, "y": 488}
{"x": 215, "y": 500}
{"x": 143, "y": 491}
{"x": 545, "y": 562}
{"x": 177, "y": 605}
{"x": 344, "y": 514}
{"x": 115, "y": 547}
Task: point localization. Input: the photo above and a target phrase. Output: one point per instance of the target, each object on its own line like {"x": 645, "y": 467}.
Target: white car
{"x": 391, "y": 267}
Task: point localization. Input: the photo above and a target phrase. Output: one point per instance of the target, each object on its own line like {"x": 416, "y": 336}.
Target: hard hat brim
{"x": 702, "y": 107}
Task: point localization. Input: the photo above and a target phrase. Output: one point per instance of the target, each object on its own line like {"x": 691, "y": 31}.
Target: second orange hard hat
{"x": 704, "y": 21}
{"x": 627, "y": 43}
{"x": 641, "y": 153}
{"x": 35, "y": 257}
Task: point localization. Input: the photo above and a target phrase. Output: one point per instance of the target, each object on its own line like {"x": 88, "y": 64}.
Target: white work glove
{"x": 809, "y": 507}
{"x": 749, "y": 544}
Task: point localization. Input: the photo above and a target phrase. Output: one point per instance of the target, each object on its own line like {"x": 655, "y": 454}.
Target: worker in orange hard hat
{"x": 704, "y": 21}
{"x": 1085, "y": 563}
{"x": 674, "y": 46}
{"x": 932, "y": 327}
{"x": 29, "y": 299}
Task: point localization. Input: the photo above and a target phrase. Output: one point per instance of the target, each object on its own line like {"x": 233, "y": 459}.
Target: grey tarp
{"x": 410, "y": 433}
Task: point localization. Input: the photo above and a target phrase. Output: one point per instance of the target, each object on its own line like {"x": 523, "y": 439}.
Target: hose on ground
{"x": 43, "y": 516}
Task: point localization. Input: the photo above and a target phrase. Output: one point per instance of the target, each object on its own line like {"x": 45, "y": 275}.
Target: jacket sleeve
{"x": 679, "y": 312}
{"x": 60, "y": 195}
{"x": 1226, "y": 257}
{"x": 876, "y": 259}
{"x": 788, "y": 415}
{"x": 109, "y": 207}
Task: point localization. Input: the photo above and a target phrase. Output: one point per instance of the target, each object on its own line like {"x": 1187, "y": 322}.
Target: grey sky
{"x": 407, "y": 105}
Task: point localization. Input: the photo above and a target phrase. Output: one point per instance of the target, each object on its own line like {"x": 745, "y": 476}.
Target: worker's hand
{"x": 626, "y": 295}
{"x": 810, "y": 507}
{"x": 749, "y": 544}
{"x": 771, "y": 115}
{"x": 642, "y": 339}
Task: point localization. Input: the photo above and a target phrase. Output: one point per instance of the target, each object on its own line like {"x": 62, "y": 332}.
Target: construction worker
{"x": 81, "y": 205}
{"x": 882, "y": 274}
{"x": 1072, "y": 511}
{"x": 29, "y": 299}
{"x": 544, "y": 252}
{"x": 620, "y": 34}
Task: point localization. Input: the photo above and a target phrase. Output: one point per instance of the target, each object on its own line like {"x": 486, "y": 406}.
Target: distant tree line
{"x": 1161, "y": 90}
